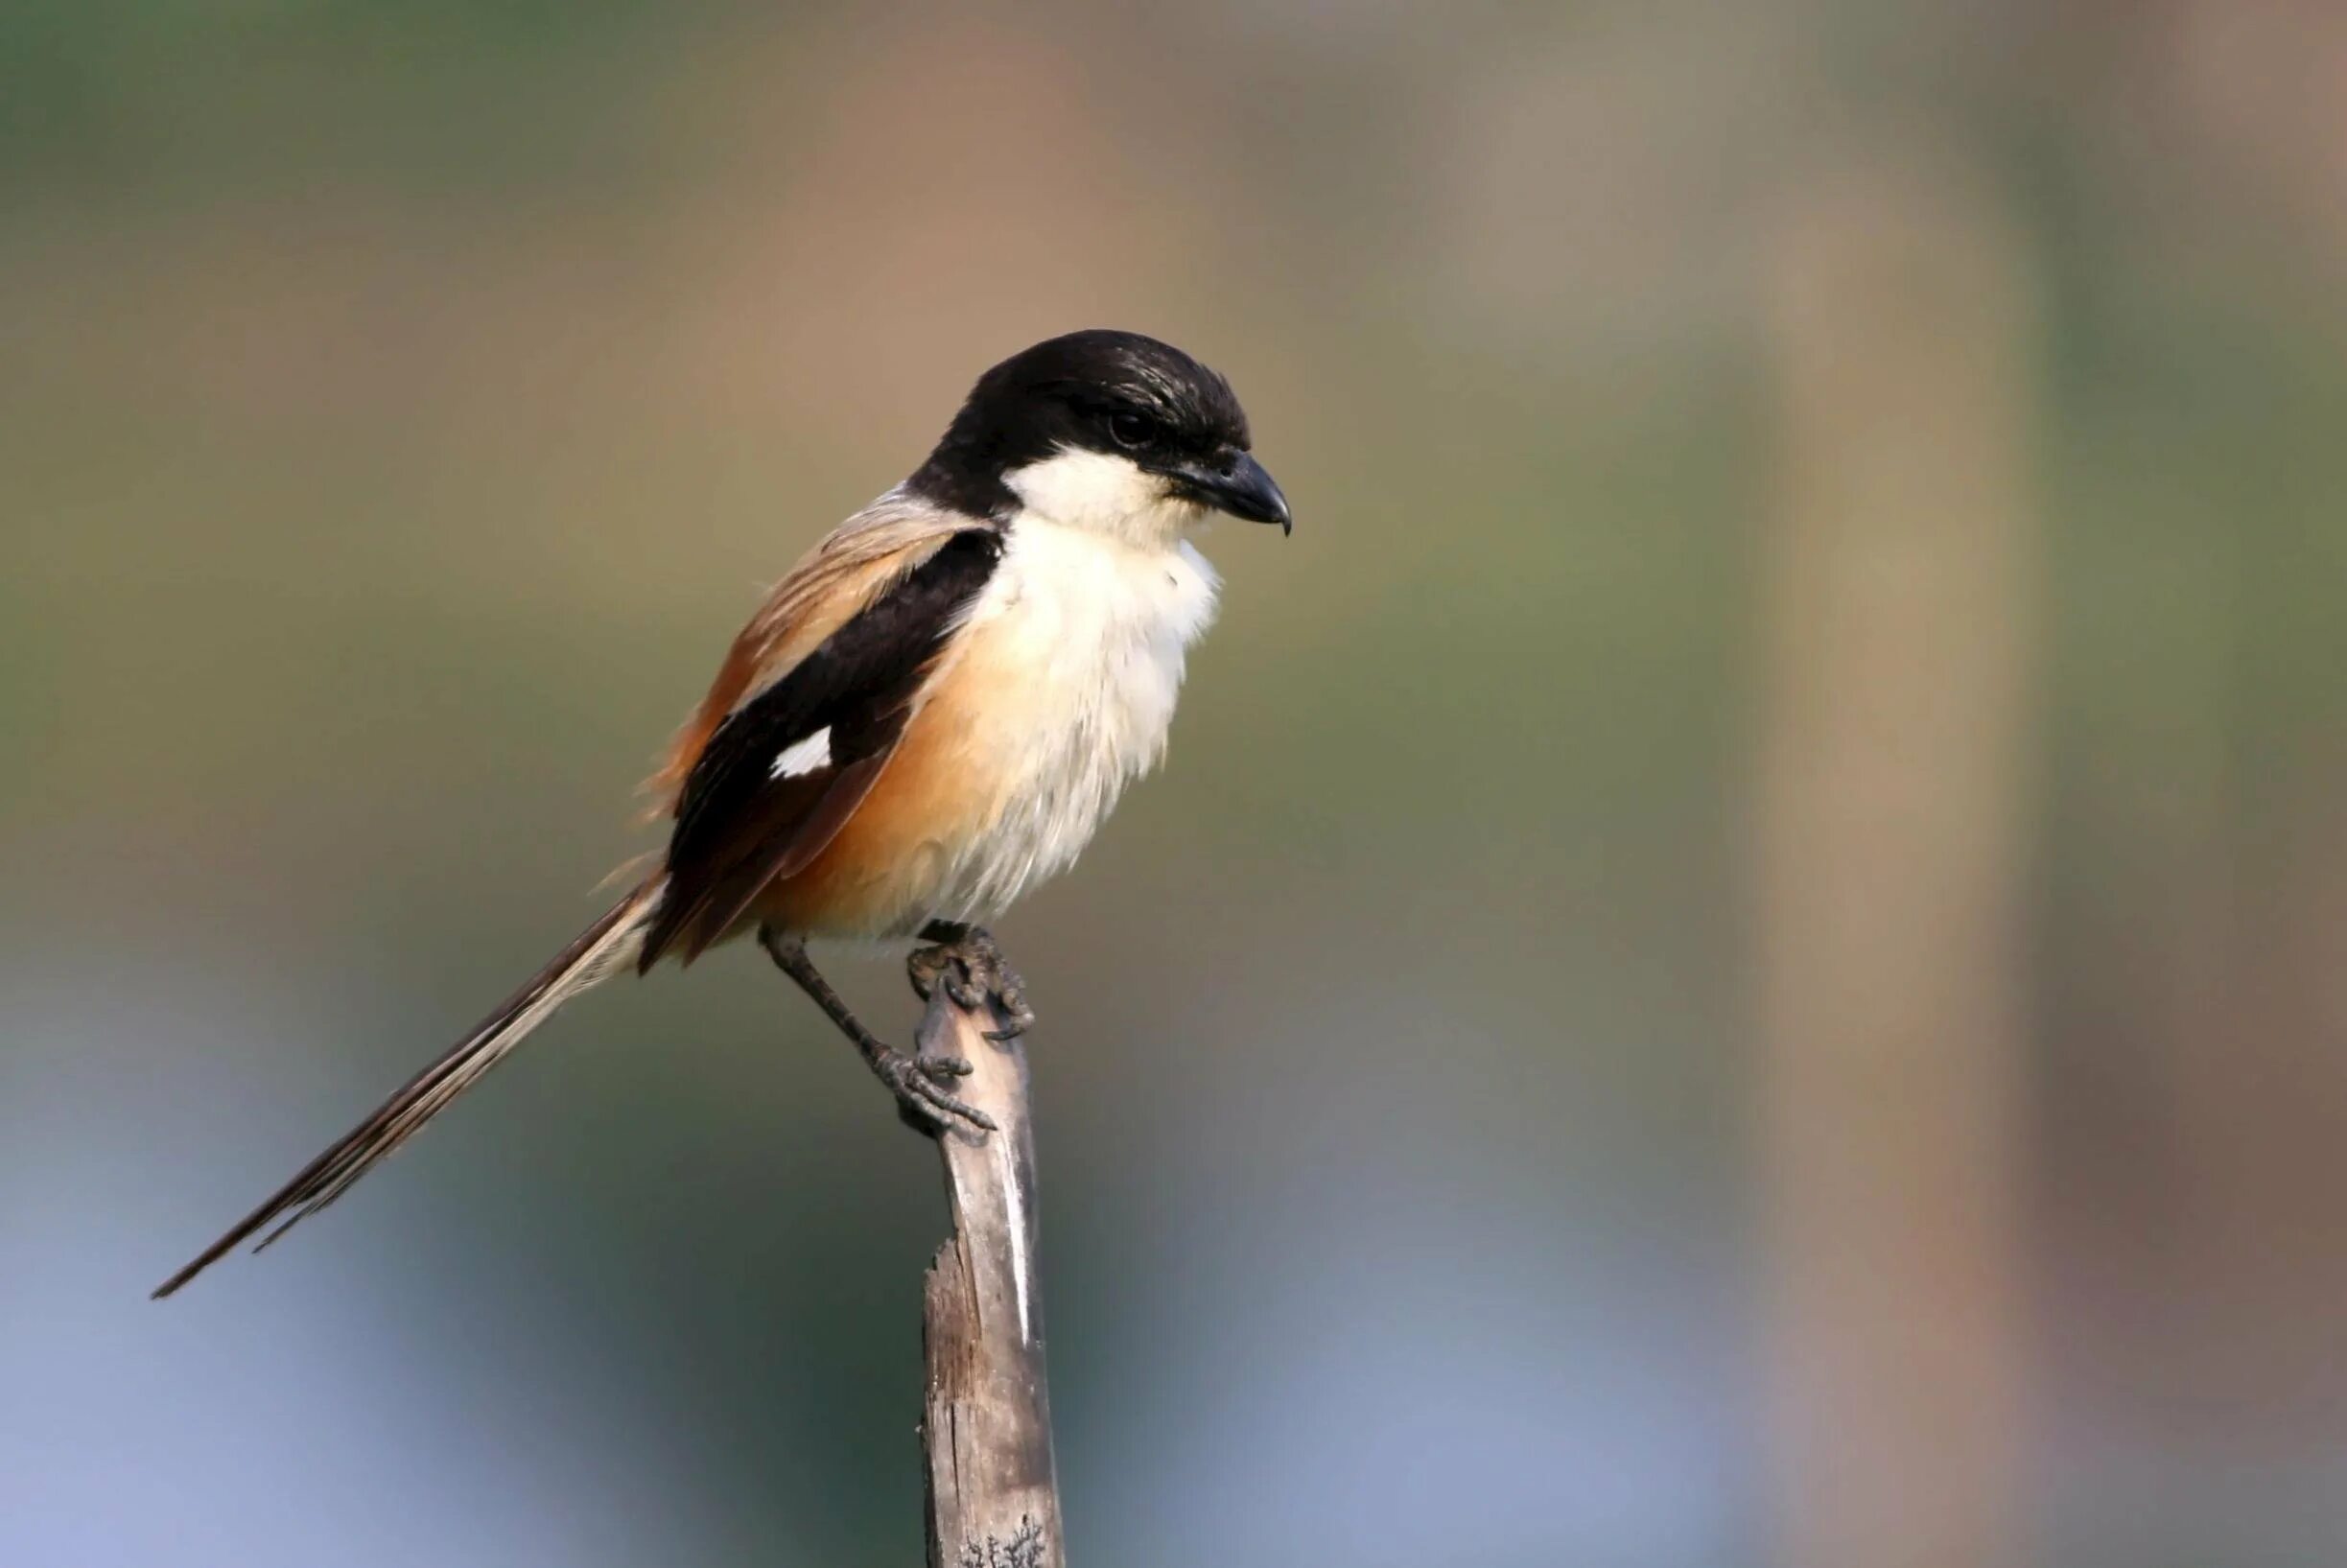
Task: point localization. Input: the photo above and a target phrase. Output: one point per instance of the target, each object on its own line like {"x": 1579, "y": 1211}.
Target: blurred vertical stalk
{"x": 986, "y": 1421}
{"x": 1898, "y": 584}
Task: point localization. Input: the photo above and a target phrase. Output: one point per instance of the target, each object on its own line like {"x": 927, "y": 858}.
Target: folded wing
{"x": 772, "y": 782}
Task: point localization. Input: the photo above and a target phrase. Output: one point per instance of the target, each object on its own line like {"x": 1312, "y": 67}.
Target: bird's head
{"x": 1105, "y": 431}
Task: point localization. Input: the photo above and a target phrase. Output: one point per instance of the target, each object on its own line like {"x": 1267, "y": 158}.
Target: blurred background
{"x": 1738, "y": 961}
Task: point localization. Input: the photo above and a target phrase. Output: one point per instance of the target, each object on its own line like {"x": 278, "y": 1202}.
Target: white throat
{"x": 1099, "y": 492}
{"x": 1078, "y": 641}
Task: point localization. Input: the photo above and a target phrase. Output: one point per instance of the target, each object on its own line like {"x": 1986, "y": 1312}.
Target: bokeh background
{"x": 1738, "y": 959}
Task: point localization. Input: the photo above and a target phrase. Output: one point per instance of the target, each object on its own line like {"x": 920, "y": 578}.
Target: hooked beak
{"x": 1234, "y": 483}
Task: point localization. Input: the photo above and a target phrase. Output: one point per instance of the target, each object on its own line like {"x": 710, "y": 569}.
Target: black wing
{"x": 786, "y": 771}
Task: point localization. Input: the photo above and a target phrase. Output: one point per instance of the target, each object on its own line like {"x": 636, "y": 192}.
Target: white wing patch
{"x": 804, "y": 757}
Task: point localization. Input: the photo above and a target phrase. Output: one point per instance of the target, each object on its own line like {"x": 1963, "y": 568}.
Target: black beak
{"x": 1234, "y": 483}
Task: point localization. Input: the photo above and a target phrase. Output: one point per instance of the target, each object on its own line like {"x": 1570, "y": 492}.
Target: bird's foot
{"x": 966, "y": 961}
{"x": 919, "y": 1084}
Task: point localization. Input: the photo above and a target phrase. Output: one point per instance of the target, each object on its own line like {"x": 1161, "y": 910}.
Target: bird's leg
{"x": 974, "y": 973}
{"x": 915, "y": 1081}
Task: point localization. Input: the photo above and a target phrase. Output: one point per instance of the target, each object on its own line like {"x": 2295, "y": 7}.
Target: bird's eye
{"x": 1132, "y": 429}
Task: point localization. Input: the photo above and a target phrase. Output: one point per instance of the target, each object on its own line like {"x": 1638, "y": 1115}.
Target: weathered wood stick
{"x": 986, "y": 1426}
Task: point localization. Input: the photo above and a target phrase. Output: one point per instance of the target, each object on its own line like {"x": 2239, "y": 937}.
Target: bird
{"x": 931, "y": 712}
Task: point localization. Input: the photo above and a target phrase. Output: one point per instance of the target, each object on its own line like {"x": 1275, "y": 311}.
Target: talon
{"x": 918, "y": 1099}
{"x": 924, "y": 967}
{"x": 1013, "y": 996}
{"x": 913, "y": 1080}
{"x": 971, "y": 967}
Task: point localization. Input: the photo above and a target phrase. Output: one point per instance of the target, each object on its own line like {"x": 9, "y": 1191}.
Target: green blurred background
{"x": 1738, "y": 961}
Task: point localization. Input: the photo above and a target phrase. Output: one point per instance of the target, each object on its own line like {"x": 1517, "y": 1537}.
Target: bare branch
{"x": 986, "y": 1428}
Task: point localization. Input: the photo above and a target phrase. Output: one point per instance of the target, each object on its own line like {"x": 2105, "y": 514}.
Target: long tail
{"x": 602, "y": 950}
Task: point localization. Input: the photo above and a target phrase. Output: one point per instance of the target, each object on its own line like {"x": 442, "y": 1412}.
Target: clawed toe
{"x": 925, "y": 967}
{"x": 1011, "y": 998}
{"x": 914, "y": 1081}
{"x": 974, "y": 975}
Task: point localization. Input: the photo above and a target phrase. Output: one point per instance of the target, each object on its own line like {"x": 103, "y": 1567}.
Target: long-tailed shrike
{"x": 931, "y": 713}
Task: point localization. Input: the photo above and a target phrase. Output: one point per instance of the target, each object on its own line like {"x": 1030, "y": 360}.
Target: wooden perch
{"x": 986, "y": 1425}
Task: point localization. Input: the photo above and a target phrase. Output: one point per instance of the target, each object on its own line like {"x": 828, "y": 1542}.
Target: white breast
{"x": 1078, "y": 640}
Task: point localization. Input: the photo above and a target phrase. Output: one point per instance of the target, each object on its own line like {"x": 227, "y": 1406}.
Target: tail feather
{"x": 602, "y": 950}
